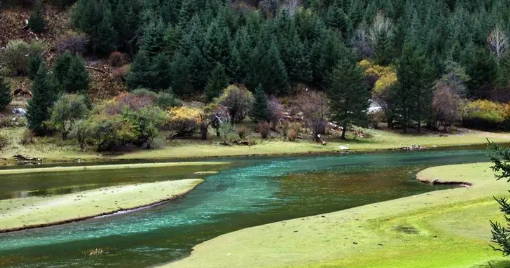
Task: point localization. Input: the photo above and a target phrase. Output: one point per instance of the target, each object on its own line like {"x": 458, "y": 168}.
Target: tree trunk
{"x": 204, "y": 130}
{"x": 344, "y": 129}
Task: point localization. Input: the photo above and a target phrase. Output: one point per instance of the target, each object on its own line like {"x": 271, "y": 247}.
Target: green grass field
{"x": 443, "y": 229}
{"x": 54, "y": 149}
{"x": 34, "y": 212}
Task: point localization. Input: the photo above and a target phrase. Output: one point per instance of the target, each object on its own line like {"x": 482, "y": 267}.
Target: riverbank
{"x": 443, "y": 229}
{"x": 33, "y": 212}
{"x": 55, "y": 150}
{"x": 109, "y": 167}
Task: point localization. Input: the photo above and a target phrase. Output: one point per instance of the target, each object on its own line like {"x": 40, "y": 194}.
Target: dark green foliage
{"x": 95, "y": 19}
{"x": 483, "y": 70}
{"x": 501, "y": 159}
{"x": 34, "y": 62}
{"x": 5, "y": 93}
{"x": 70, "y": 73}
{"x": 260, "y": 111}
{"x": 180, "y": 75}
{"x": 349, "y": 95}
{"x": 218, "y": 80}
{"x": 412, "y": 97}
{"x": 153, "y": 37}
{"x": 150, "y": 72}
{"x": 36, "y": 21}
{"x": 44, "y": 93}
{"x": 140, "y": 71}
{"x": 199, "y": 67}
{"x": 61, "y": 66}
{"x": 77, "y": 78}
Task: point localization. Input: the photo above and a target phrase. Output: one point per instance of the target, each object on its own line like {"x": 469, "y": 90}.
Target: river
{"x": 249, "y": 192}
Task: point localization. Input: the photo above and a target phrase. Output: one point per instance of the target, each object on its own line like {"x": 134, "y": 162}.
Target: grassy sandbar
{"x": 32, "y": 212}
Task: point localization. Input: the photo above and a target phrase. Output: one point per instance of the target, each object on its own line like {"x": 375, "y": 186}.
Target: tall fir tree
{"x": 413, "y": 95}
{"x": 76, "y": 79}
{"x": 272, "y": 72}
{"x": 104, "y": 37}
{"x": 44, "y": 94}
{"x": 159, "y": 79}
{"x": 179, "y": 75}
{"x": 218, "y": 80}
{"x": 260, "y": 110}
{"x": 61, "y": 66}
{"x": 34, "y": 61}
{"x": 349, "y": 95}
{"x": 140, "y": 71}
{"x": 199, "y": 68}
{"x": 5, "y": 93}
{"x": 36, "y": 21}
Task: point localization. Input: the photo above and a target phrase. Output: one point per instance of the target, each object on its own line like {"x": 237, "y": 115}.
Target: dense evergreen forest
{"x": 426, "y": 62}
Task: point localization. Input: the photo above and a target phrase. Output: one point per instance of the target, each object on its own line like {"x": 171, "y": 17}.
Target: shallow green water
{"x": 251, "y": 192}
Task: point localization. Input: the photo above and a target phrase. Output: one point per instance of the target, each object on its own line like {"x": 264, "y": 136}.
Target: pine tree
{"x": 199, "y": 68}
{"x": 34, "y": 62}
{"x": 140, "y": 71}
{"x": 413, "y": 96}
{"x": 44, "y": 94}
{"x": 349, "y": 95}
{"x": 217, "y": 43}
{"x": 36, "y": 21}
{"x": 61, "y": 66}
{"x": 260, "y": 111}
{"x": 218, "y": 80}
{"x": 179, "y": 74}
{"x": 76, "y": 78}
{"x": 160, "y": 73}
{"x": 104, "y": 36}
{"x": 5, "y": 93}
{"x": 274, "y": 77}
{"x": 153, "y": 37}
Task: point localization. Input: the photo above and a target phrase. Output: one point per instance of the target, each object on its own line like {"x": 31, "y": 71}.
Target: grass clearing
{"x": 32, "y": 212}
{"x": 54, "y": 149}
{"x": 443, "y": 229}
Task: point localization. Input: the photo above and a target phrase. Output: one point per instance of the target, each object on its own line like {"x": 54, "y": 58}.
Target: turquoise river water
{"x": 249, "y": 192}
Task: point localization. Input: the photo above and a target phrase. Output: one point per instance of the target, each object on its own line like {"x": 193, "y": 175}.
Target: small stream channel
{"x": 250, "y": 192}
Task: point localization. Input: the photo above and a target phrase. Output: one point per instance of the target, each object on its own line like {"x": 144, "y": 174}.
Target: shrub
{"x": 74, "y": 43}
{"x": 484, "y": 114}
{"x": 117, "y": 59}
{"x": 66, "y": 111}
{"x": 184, "y": 120}
{"x": 121, "y": 72}
{"x": 15, "y": 55}
{"x": 27, "y": 137}
{"x": 238, "y": 101}
{"x": 264, "y": 129}
{"x": 241, "y": 131}
{"x": 292, "y": 135}
{"x": 296, "y": 127}
{"x": 167, "y": 100}
{"x": 108, "y": 131}
{"x": 275, "y": 111}
{"x": 3, "y": 142}
{"x": 376, "y": 117}
{"x": 146, "y": 123}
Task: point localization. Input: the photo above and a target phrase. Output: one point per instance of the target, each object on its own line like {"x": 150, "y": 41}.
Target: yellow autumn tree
{"x": 184, "y": 120}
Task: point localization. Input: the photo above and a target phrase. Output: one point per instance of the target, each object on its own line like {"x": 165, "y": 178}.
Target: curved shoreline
{"x": 190, "y": 185}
